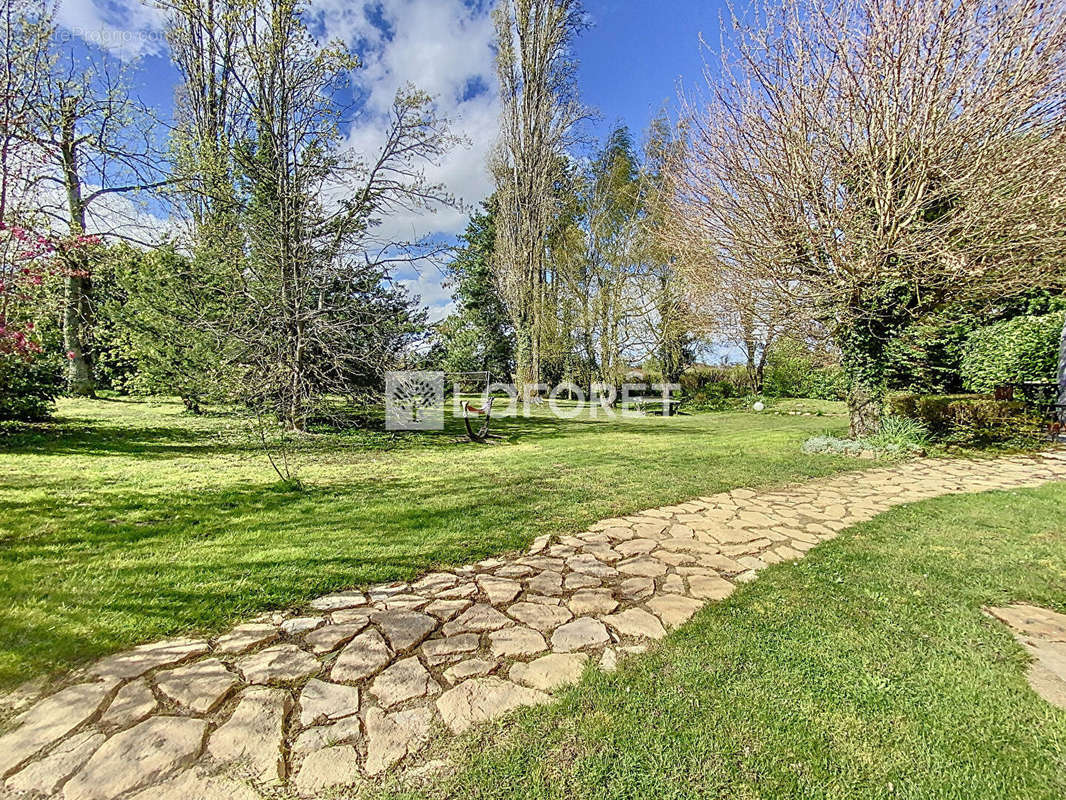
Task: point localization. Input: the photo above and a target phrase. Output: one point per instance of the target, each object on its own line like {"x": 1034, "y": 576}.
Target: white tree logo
{"x": 414, "y": 401}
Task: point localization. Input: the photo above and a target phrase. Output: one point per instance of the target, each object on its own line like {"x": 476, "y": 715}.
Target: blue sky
{"x": 633, "y": 58}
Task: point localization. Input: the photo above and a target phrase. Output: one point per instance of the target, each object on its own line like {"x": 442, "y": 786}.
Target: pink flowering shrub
{"x": 30, "y": 264}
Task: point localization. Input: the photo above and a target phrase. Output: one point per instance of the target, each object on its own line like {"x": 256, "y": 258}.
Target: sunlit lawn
{"x": 129, "y": 520}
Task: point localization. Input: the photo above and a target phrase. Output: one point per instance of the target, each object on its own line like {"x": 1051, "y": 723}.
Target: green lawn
{"x": 867, "y": 670}
{"x": 129, "y": 521}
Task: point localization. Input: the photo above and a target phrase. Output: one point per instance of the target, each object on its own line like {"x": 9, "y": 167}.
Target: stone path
{"x": 1042, "y": 632}
{"x": 359, "y": 682}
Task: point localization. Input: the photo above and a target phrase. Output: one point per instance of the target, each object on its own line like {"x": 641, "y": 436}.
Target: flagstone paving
{"x": 360, "y": 682}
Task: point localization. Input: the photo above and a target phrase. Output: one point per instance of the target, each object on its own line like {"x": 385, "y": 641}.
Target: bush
{"x": 29, "y": 384}
{"x": 793, "y": 371}
{"x": 901, "y": 434}
{"x": 970, "y": 420}
{"x": 1019, "y": 350}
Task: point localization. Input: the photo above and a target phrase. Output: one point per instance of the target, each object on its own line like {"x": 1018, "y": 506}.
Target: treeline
{"x": 608, "y": 296}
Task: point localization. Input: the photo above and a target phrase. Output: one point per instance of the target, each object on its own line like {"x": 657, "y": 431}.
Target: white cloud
{"x": 443, "y": 47}
{"x": 125, "y": 28}
{"x": 428, "y": 285}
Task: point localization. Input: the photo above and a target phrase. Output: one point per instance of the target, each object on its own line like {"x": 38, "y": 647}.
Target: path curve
{"x": 359, "y": 682}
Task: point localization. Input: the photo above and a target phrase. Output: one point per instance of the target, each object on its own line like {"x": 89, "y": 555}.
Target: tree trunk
{"x": 78, "y": 287}
{"x": 865, "y": 407}
{"x": 75, "y": 307}
{"x": 1062, "y": 376}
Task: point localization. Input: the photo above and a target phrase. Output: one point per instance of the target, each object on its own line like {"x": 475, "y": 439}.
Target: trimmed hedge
{"x": 970, "y": 419}
{"x": 1018, "y": 350}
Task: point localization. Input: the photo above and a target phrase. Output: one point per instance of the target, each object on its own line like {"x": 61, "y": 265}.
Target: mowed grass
{"x": 127, "y": 521}
{"x": 867, "y": 670}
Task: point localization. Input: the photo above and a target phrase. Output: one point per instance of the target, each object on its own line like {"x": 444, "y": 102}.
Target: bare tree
{"x": 540, "y": 111}
{"x": 867, "y": 160}
{"x": 293, "y": 212}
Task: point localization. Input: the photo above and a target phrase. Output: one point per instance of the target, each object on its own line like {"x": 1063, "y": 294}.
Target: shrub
{"x": 29, "y": 384}
{"x": 901, "y": 434}
{"x": 970, "y": 420}
{"x": 835, "y": 446}
{"x": 793, "y": 371}
{"x": 1018, "y": 350}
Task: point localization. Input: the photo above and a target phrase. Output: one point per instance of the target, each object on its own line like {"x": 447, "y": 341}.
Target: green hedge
{"x": 29, "y": 384}
{"x": 970, "y": 420}
{"x": 1018, "y": 350}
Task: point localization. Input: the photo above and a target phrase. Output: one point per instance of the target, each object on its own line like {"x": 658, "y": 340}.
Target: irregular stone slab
{"x": 461, "y": 592}
{"x": 643, "y": 568}
{"x": 499, "y": 591}
{"x": 329, "y": 637}
{"x": 548, "y": 582}
{"x": 514, "y": 571}
{"x": 483, "y": 700}
{"x": 541, "y": 617}
{"x": 390, "y": 738}
{"x": 471, "y": 668}
{"x": 636, "y": 622}
{"x": 144, "y": 754}
{"x": 133, "y": 703}
{"x": 575, "y": 580}
{"x": 327, "y": 769}
{"x": 516, "y": 642}
{"x": 245, "y": 637}
{"x": 591, "y": 566}
{"x": 408, "y": 602}
{"x": 351, "y": 616}
{"x": 439, "y": 651}
{"x": 673, "y": 609}
{"x": 1033, "y": 621}
{"x": 674, "y": 584}
{"x": 636, "y": 547}
{"x": 477, "y": 619}
{"x": 579, "y": 634}
{"x": 195, "y": 784}
{"x": 721, "y": 563}
{"x": 322, "y": 702}
{"x": 279, "y": 664}
{"x": 332, "y": 602}
{"x": 753, "y": 563}
{"x": 444, "y": 610}
{"x": 49, "y": 774}
{"x": 255, "y": 733}
{"x": 551, "y": 671}
{"x": 199, "y": 687}
{"x": 1047, "y": 684}
{"x": 435, "y": 582}
{"x": 636, "y": 589}
{"x": 301, "y": 625}
{"x": 593, "y": 602}
{"x": 364, "y": 656}
{"x": 709, "y": 587}
{"x": 609, "y": 660}
{"x": 404, "y": 629}
{"x": 139, "y": 660}
{"x": 404, "y": 680}
{"x": 49, "y": 720}
{"x": 347, "y": 729}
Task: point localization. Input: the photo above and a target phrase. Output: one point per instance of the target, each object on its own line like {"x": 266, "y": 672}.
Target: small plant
{"x": 835, "y": 446}
{"x": 901, "y": 434}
